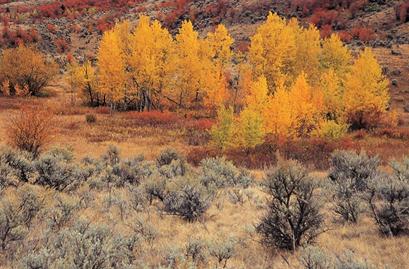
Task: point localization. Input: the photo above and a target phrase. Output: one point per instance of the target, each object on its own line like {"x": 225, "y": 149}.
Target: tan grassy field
{"x": 223, "y": 220}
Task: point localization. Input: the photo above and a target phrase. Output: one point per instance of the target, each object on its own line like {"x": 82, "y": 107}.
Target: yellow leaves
{"x": 258, "y": 98}
{"x": 220, "y": 43}
{"x": 222, "y": 132}
{"x": 149, "y": 54}
{"x": 295, "y": 112}
{"x": 335, "y": 55}
{"x": 111, "y": 67}
{"x": 366, "y": 89}
{"x": 25, "y": 67}
{"x": 273, "y": 49}
{"x": 308, "y": 52}
{"x": 331, "y": 88}
{"x": 250, "y": 130}
{"x": 291, "y": 83}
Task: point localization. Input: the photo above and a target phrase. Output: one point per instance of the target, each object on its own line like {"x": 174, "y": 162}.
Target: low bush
{"x": 196, "y": 250}
{"x": 12, "y": 227}
{"x": 389, "y": 200}
{"x": 293, "y": 216}
{"x": 90, "y": 118}
{"x": 61, "y": 213}
{"x": 316, "y": 258}
{"x": 26, "y": 67}
{"x": 223, "y": 250}
{"x": 190, "y": 202}
{"x": 171, "y": 163}
{"x": 15, "y": 167}
{"x": 84, "y": 244}
{"x": 30, "y": 130}
{"x": 220, "y": 173}
{"x": 350, "y": 174}
{"x": 56, "y": 169}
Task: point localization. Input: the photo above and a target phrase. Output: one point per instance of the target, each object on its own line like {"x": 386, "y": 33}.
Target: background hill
{"x": 68, "y": 29}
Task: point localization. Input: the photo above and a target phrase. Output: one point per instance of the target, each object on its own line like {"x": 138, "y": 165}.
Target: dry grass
{"x": 224, "y": 218}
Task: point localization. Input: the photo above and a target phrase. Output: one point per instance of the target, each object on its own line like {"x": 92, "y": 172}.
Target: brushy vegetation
{"x": 106, "y": 206}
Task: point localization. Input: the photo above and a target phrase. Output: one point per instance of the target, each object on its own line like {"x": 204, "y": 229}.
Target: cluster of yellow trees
{"x": 290, "y": 83}
{"x": 146, "y": 68}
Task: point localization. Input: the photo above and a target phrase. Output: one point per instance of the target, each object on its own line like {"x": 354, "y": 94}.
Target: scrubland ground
{"x": 233, "y": 213}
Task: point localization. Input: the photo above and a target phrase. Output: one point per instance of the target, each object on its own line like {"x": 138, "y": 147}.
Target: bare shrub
{"x": 30, "y": 130}
{"x": 293, "y": 216}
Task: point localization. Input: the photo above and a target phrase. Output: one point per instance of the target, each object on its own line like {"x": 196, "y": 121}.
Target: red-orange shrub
{"x": 30, "y": 130}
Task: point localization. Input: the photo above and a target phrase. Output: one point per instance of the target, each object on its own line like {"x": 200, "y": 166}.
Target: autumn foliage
{"x": 25, "y": 71}
{"x": 30, "y": 130}
{"x": 291, "y": 83}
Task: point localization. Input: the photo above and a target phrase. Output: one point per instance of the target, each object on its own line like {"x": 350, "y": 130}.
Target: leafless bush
{"x": 30, "y": 130}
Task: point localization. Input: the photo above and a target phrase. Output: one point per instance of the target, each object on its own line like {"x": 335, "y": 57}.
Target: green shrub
{"x": 86, "y": 245}
{"x": 56, "y": 169}
{"x": 223, "y": 250}
{"x": 220, "y": 173}
{"x": 389, "y": 200}
{"x": 350, "y": 175}
{"x": 293, "y": 216}
{"x": 196, "y": 250}
{"x": 15, "y": 167}
{"x": 191, "y": 202}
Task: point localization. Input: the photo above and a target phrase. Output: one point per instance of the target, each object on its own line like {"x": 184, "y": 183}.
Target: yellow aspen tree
{"x": 332, "y": 90}
{"x": 222, "y": 131}
{"x": 215, "y": 55}
{"x": 220, "y": 43}
{"x": 257, "y": 98}
{"x": 308, "y": 42}
{"x": 83, "y": 82}
{"x": 188, "y": 68}
{"x": 273, "y": 50}
{"x": 256, "y": 55}
{"x": 308, "y": 105}
{"x": 335, "y": 55}
{"x": 150, "y": 46}
{"x": 249, "y": 129}
{"x": 282, "y": 114}
{"x": 123, "y": 30}
{"x": 215, "y": 91}
{"x": 111, "y": 68}
{"x": 245, "y": 81}
{"x": 366, "y": 95}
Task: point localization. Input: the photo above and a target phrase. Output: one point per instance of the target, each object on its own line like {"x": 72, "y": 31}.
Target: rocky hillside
{"x": 68, "y": 29}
